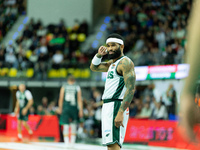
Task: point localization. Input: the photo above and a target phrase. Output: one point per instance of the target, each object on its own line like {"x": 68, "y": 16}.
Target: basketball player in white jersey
{"x": 119, "y": 90}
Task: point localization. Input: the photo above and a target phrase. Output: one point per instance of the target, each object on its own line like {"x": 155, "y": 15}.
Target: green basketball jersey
{"x": 70, "y": 96}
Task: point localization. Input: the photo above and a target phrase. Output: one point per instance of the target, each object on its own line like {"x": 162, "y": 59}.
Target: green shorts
{"x": 69, "y": 115}
{"x": 23, "y": 117}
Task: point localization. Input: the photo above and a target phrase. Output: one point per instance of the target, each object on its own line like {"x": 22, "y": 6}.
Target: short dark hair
{"x": 70, "y": 77}
{"x": 115, "y": 35}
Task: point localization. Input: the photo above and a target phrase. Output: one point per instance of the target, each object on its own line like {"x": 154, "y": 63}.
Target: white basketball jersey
{"x": 114, "y": 86}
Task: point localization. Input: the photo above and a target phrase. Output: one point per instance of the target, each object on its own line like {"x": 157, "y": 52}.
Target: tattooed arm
{"x": 103, "y": 66}
{"x": 126, "y": 68}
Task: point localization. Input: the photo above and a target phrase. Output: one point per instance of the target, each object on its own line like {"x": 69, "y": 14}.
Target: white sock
{"x": 66, "y": 134}
{"x": 73, "y": 139}
{"x": 73, "y": 133}
{"x": 20, "y": 135}
{"x": 66, "y": 140}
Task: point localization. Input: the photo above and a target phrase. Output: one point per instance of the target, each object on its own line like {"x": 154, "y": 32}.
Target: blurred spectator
{"x": 97, "y": 107}
{"x": 57, "y": 59}
{"x": 135, "y": 108}
{"x": 32, "y": 111}
{"x": 33, "y": 59}
{"x": 41, "y": 31}
{"x": 84, "y": 27}
{"x": 89, "y": 120}
{"x": 51, "y": 109}
{"x": 40, "y": 110}
{"x": 171, "y": 100}
{"x": 11, "y": 60}
{"x": 27, "y": 32}
{"x": 2, "y": 58}
{"x": 170, "y": 55}
{"x": 10, "y": 49}
{"x": 160, "y": 111}
{"x": 146, "y": 111}
{"x": 44, "y": 102}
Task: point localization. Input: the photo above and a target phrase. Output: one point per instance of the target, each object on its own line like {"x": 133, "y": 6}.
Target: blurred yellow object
{"x": 49, "y": 37}
{"x": 69, "y": 30}
{"x": 30, "y": 73}
{"x": 28, "y": 53}
{"x": 63, "y": 72}
{"x": 73, "y": 36}
{"x": 12, "y": 72}
{"x": 77, "y": 73}
{"x": 81, "y": 37}
{"x": 4, "y": 71}
{"x": 78, "y": 53}
{"x": 53, "y": 73}
{"x": 85, "y": 73}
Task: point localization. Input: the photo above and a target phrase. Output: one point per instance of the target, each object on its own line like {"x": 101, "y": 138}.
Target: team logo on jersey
{"x": 113, "y": 66}
{"x": 110, "y": 75}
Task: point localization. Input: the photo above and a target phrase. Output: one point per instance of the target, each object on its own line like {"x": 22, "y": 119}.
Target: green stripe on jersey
{"x": 119, "y": 89}
{"x": 116, "y": 130}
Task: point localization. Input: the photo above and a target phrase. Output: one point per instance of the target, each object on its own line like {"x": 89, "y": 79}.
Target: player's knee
{"x": 19, "y": 123}
{"x": 24, "y": 123}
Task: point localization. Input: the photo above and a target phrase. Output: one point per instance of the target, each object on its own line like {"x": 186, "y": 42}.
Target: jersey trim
{"x": 117, "y": 66}
{"x": 111, "y": 100}
{"x": 116, "y": 131}
{"x": 119, "y": 89}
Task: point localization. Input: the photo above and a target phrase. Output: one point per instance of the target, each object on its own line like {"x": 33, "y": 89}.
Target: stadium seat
{"x": 28, "y": 53}
{"x": 73, "y": 36}
{"x": 4, "y": 71}
{"x": 30, "y": 73}
{"x": 85, "y": 73}
{"x": 69, "y": 30}
{"x": 70, "y": 71}
{"x": 62, "y": 73}
{"x": 81, "y": 37}
{"x": 53, "y": 73}
{"x": 12, "y": 72}
{"x": 77, "y": 73}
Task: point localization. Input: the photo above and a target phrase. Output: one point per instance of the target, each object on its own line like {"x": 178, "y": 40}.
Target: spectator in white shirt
{"x": 57, "y": 59}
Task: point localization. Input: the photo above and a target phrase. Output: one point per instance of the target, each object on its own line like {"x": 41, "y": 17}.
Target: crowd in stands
{"x": 154, "y": 31}
{"x": 45, "y": 47}
{"x": 9, "y": 12}
{"x": 146, "y": 104}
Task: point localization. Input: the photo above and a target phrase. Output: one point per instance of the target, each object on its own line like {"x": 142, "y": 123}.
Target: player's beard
{"x": 116, "y": 54}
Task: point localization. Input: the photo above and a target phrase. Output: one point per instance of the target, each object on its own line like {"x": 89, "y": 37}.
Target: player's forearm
{"x": 17, "y": 106}
{"x": 60, "y": 103}
{"x": 193, "y": 46}
{"x": 80, "y": 104}
{"x": 95, "y": 63}
{"x": 127, "y": 100}
{"x": 30, "y": 103}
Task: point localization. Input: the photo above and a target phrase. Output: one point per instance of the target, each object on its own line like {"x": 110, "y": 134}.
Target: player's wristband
{"x": 96, "y": 61}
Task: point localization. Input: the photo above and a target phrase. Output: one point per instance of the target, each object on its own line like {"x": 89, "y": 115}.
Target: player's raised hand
{"x": 102, "y": 50}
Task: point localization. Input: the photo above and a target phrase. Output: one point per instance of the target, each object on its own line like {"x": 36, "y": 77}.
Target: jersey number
{"x": 110, "y": 75}
{"x": 70, "y": 98}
